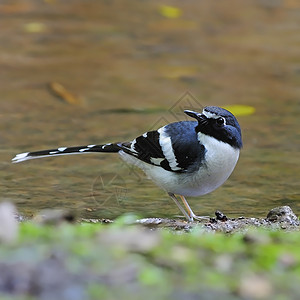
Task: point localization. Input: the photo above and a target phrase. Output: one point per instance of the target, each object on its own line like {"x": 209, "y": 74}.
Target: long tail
{"x": 66, "y": 151}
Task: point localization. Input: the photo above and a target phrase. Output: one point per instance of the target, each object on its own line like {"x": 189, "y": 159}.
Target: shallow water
{"x": 131, "y": 68}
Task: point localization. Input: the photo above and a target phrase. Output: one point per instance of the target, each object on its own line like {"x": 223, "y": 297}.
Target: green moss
{"x": 129, "y": 261}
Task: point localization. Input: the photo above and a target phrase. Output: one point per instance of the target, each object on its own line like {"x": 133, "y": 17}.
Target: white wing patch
{"x": 132, "y": 146}
{"x": 156, "y": 161}
{"x": 167, "y": 149}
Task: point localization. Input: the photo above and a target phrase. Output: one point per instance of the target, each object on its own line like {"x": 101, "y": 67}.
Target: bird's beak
{"x": 193, "y": 114}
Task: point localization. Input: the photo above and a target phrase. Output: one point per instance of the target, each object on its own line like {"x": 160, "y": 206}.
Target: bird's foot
{"x": 198, "y": 218}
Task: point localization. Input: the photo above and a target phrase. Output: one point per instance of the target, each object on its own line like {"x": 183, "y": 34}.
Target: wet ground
{"x": 128, "y": 67}
{"x": 277, "y": 218}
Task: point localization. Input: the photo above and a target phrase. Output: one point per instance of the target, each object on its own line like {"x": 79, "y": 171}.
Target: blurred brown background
{"x": 87, "y": 72}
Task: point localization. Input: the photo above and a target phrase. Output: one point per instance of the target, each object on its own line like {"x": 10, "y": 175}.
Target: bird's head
{"x": 219, "y": 123}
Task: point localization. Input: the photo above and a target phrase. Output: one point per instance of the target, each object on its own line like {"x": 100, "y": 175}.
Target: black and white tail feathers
{"x": 66, "y": 151}
{"x": 174, "y": 147}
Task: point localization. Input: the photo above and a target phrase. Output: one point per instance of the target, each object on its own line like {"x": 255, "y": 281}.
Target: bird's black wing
{"x": 189, "y": 152}
{"x": 174, "y": 147}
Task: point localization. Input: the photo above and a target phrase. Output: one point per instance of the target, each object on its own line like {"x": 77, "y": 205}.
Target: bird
{"x": 186, "y": 158}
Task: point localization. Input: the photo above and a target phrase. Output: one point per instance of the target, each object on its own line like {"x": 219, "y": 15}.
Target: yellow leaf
{"x": 175, "y": 72}
{"x": 241, "y": 110}
{"x": 35, "y": 27}
{"x": 60, "y": 91}
{"x": 170, "y": 12}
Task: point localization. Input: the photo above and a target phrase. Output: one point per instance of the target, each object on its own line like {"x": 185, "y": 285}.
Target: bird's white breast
{"x": 219, "y": 162}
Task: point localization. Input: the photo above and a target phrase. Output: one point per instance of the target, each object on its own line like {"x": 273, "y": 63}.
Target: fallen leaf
{"x": 241, "y": 110}
{"x": 175, "y": 72}
{"x": 59, "y": 90}
{"x": 170, "y": 12}
{"x": 35, "y": 27}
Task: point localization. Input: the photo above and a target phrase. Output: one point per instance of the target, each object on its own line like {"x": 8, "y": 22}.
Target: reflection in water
{"x": 129, "y": 69}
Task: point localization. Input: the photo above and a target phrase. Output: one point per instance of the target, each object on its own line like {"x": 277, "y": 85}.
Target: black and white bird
{"x": 187, "y": 158}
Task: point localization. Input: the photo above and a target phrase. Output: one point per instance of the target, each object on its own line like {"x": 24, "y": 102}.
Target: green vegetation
{"x": 98, "y": 261}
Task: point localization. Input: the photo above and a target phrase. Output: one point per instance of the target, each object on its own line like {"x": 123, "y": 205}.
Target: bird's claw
{"x": 198, "y": 218}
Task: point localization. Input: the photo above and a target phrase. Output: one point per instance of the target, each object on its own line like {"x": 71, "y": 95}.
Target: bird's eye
{"x": 220, "y": 121}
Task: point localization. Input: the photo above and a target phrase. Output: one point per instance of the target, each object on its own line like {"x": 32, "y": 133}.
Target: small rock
{"x": 54, "y": 217}
{"x": 8, "y": 223}
{"x": 224, "y": 263}
{"x": 287, "y": 260}
{"x": 131, "y": 239}
{"x": 220, "y": 216}
{"x": 97, "y": 221}
{"x": 255, "y": 287}
{"x": 149, "y": 221}
{"x": 251, "y": 237}
{"x": 282, "y": 214}
{"x": 213, "y": 220}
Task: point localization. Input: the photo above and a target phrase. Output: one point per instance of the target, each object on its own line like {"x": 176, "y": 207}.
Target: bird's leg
{"x": 190, "y": 219}
{"x": 190, "y": 212}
